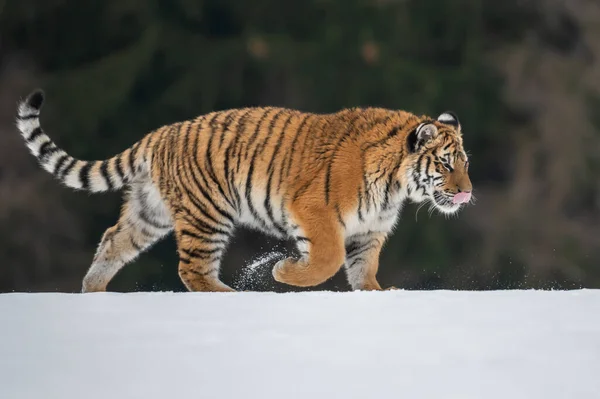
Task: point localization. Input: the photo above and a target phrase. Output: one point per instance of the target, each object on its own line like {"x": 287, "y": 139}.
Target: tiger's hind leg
{"x": 144, "y": 220}
{"x": 201, "y": 246}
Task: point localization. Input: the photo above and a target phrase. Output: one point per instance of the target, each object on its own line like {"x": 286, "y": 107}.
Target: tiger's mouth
{"x": 444, "y": 202}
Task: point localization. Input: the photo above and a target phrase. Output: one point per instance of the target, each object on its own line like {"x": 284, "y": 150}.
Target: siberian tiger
{"x": 334, "y": 183}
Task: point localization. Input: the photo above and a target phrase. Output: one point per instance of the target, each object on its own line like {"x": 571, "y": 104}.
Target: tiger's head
{"x": 438, "y": 167}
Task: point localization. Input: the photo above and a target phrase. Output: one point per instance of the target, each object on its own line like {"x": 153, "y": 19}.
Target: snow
{"x": 254, "y": 272}
{"x": 394, "y": 344}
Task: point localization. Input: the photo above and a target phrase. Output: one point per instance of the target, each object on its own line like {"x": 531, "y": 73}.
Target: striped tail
{"x": 94, "y": 176}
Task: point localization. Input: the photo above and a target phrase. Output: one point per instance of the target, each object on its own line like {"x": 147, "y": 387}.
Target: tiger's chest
{"x": 375, "y": 218}
{"x": 382, "y": 221}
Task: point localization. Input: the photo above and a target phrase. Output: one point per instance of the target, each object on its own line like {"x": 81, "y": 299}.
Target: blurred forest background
{"x": 523, "y": 76}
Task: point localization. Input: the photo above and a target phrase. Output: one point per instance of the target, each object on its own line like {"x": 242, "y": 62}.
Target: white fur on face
{"x": 418, "y": 195}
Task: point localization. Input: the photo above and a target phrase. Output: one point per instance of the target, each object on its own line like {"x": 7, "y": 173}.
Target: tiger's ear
{"x": 421, "y": 135}
{"x": 449, "y": 118}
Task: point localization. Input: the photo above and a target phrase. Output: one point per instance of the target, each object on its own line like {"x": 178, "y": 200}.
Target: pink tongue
{"x": 461, "y": 198}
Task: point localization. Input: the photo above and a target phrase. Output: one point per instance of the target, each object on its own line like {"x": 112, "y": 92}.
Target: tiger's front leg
{"x": 321, "y": 243}
{"x": 362, "y": 260}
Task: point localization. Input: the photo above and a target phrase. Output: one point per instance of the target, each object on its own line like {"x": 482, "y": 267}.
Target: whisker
{"x": 417, "y": 212}
{"x": 431, "y": 209}
{"x": 473, "y": 199}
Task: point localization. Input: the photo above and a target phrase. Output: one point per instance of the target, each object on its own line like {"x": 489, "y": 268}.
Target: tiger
{"x": 334, "y": 184}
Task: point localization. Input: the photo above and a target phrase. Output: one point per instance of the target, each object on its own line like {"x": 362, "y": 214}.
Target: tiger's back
{"x": 332, "y": 182}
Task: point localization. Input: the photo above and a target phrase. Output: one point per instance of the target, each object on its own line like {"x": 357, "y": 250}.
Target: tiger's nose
{"x": 464, "y": 187}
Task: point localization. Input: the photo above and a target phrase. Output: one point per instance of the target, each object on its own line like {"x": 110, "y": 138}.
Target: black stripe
{"x": 46, "y": 149}
{"x": 142, "y": 197}
{"x": 84, "y": 175}
{"x": 248, "y": 193}
{"x": 225, "y": 125}
{"x": 209, "y": 166}
{"x": 162, "y": 156}
{"x": 28, "y": 116}
{"x": 132, "y": 155}
{"x": 252, "y": 138}
{"x": 201, "y": 254}
{"x": 203, "y": 274}
{"x": 360, "y": 199}
{"x": 49, "y": 152}
{"x": 105, "y": 175}
{"x": 412, "y": 140}
{"x": 420, "y": 185}
{"x": 134, "y": 244}
{"x": 201, "y": 226}
{"x": 301, "y": 191}
{"x": 147, "y": 233}
{"x": 147, "y": 141}
{"x": 427, "y": 165}
{"x": 392, "y": 133}
{"x": 270, "y": 131}
{"x": 145, "y": 217}
{"x": 269, "y": 208}
{"x": 197, "y": 236}
{"x": 366, "y": 192}
{"x": 388, "y": 187}
{"x": 119, "y": 167}
{"x": 228, "y": 179}
{"x": 327, "y": 186}
{"x": 37, "y": 132}
{"x": 228, "y": 152}
{"x": 355, "y": 262}
{"x": 236, "y": 149}
{"x": 378, "y": 175}
{"x": 68, "y": 168}
{"x": 339, "y": 216}
{"x": 357, "y": 248}
{"x": 59, "y": 163}
{"x": 212, "y": 250}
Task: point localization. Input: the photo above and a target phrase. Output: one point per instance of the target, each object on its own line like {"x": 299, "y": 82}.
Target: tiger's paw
{"x": 297, "y": 273}
{"x": 281, "y": 271}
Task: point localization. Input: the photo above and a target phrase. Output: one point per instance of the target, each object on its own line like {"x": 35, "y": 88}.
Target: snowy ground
{"x": 440, "y": 344}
